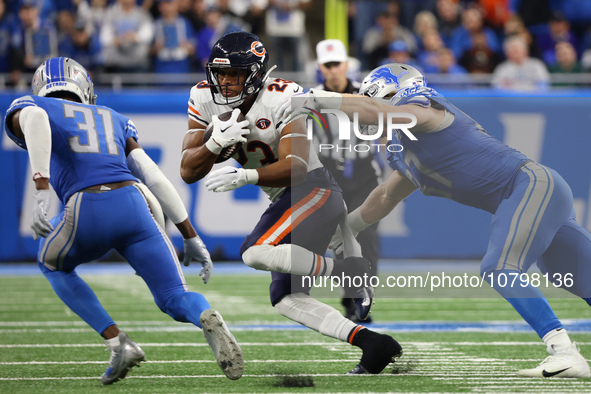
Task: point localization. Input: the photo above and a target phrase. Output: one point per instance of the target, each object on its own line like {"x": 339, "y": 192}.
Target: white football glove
{"x": 195, "y": 250}
{"x": 39, "y": 222}
{"x": 302, "y": 104}
{"x": 227, "y": 133}
{"x": 336, "y": 242}
{"x": 230, "y": 178}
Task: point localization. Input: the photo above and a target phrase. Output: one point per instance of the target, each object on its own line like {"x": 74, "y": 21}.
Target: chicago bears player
{"x": 453, "y": 157}
{"x": 307, "y": 205}
{"x": 91, "y": 157}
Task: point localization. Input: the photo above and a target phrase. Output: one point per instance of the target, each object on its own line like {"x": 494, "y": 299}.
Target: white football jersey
{"x": 262, "y": 145}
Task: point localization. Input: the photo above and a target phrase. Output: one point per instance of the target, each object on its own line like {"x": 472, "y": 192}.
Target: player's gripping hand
{"x": 195, "y": 250}
{"x": 302, "y": 104}
{"x": 39, "y": 222}
{"x": 230, "y": 178}
{"x": 227, "y": 133}
{"x": 336, "y": 242}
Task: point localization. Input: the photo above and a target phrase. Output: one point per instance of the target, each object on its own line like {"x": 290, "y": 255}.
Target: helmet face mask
{"x": 62, "y": 74}
{"x": 387, "y": 80}
{"x": 241, "y": 53}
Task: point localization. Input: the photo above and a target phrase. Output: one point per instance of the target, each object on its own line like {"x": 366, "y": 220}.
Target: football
{"x": 228, "y": 151}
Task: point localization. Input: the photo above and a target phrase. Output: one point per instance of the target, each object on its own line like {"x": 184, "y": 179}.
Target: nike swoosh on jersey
{"x": 550, "y": 374}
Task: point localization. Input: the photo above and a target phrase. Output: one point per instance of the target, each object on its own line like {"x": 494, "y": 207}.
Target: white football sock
{"x": 113, "y": 342}
{"x": 314, "y": 314}
{"x": 288, "y": 258}
{"x": 556, "y": 339}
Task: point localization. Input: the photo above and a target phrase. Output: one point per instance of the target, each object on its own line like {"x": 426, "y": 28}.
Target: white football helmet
{"x": 62, "y": 74}
{"x": 386, "y": 80}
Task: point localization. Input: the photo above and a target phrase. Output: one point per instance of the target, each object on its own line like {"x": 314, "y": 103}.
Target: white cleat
{"x": 225, "y": 348}
{"x": 565, "y": 363}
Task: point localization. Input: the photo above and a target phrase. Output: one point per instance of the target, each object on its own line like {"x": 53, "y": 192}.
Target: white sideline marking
{"x": 174, "y": 362}
{"x": 417, "y": 344}
{"x": 45, "y": 345}
{"x": 198, "y": 376}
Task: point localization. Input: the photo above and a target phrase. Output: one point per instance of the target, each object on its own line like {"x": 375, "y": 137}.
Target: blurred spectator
{"x": 425, "y": 21}
{"x": 126, "y": 37}
{"x": 377, "y": 39}
{"x": 519, "y": 71}
{"x": 566, "y": 62}
{"x": 35, "y": 39}
{"x": 480, "y": 58}
{"x": 432, "y": 42}
{"x": 515, "y": 27}
{"x": 446, "y": 63}
{"x": 364, "y": 15}
{"x": 286, "y": 30}
{"x": 398, "y": 52}
{"x": 250, "y": 12}
{"x": 216, "y": 25}
{"x": 174, "y": 40}
{"x": 577, "y": 12}
{"x": 495, "y": 12}
{"x": 558, "y": 30}
{"x": 80, "y": 45}
{"x": 92, "y": 14}
{"x": 448, "y": 14}
{"x": 409, "y": 9}
{"x": 472, "y": 24}
{"x": 194, "y": 11}
{"x": 6, "y": 28}
{"x": 534, "y": 13}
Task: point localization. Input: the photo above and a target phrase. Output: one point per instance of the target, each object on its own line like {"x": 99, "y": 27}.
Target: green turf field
{"x": 45, "y": 348}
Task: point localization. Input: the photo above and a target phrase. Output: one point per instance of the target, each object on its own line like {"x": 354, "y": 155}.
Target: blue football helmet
{"x": 62, "y": 74}
{"x": 386, "y": 80}
{"x": 241, "y": 51}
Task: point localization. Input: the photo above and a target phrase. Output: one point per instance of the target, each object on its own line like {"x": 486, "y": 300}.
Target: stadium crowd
{"x": 519, "y": 42}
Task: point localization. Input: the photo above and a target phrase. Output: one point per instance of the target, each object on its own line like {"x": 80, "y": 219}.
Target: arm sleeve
{"x": 35, "y": 125}
{"x": 148, "y": 172}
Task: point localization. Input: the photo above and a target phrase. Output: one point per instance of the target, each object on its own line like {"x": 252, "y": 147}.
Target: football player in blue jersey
{"x": 91, "y": 157}
{"x": 454, "y": 157}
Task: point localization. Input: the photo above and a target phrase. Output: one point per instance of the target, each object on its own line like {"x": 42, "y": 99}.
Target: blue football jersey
{"x": 88, "y": 143}
{"x": 460, "y": 162}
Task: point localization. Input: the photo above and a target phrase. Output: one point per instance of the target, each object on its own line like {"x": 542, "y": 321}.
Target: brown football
{"x": 228, "y": 151}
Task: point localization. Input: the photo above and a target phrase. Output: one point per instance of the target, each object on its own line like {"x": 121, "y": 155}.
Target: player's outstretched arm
{"x": 148, "y": 172}
{"x": 31, "y": 124}
{"x": 380, "y": 202}
{"x": 198, "y": 158}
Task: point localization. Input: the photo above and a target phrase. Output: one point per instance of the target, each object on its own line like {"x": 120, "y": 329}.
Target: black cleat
{"x": 358, "y": 370}
{"x": 379, "y": 350}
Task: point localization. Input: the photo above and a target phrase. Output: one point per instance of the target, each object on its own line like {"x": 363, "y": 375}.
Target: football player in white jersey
{"x": 307, "y": 205}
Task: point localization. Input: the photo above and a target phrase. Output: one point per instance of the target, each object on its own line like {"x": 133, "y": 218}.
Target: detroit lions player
{"x": 91, "y": 157}
{"x": 307, "y": 205}
{"x": 453, "y": 157}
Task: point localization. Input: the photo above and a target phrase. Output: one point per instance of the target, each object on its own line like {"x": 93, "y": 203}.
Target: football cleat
{"x": 379, "y": 350}
{"x": 565, "y": 363}
{"x": 363, "y": 303}
{"x": 226, "y": 350}
{"x": 358, "y": 370}
{"x": 123, "y": 357}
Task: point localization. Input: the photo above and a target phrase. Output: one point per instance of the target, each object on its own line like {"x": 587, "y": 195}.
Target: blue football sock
{"x": 79, "y": 297}
{"x": 187, "y": 307}
{"x": 528, "y": 301}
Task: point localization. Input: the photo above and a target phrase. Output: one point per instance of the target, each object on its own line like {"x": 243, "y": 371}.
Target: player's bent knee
{"x": 259, "y": 257}
{"x": 288, "y": 304}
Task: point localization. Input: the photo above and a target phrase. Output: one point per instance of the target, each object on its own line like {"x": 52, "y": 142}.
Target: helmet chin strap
{"x": 268, "y": 72}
